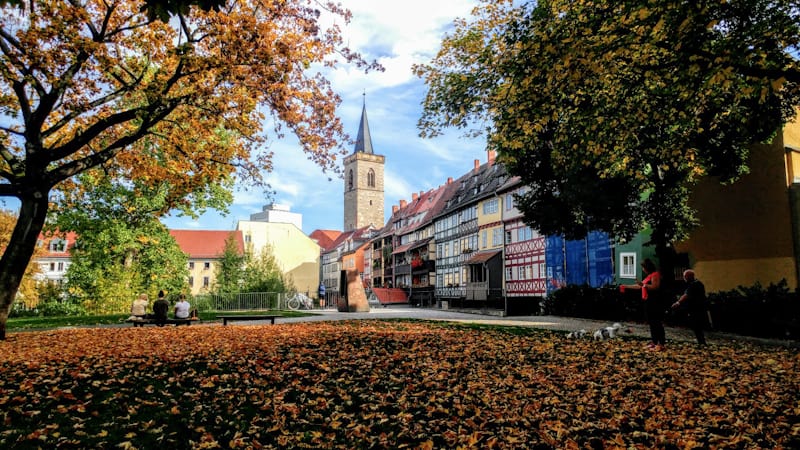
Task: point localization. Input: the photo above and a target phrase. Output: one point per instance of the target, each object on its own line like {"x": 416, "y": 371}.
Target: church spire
{"x": 363, "y": 140}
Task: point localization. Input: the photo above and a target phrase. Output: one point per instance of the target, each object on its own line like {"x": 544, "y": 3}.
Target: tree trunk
{"x": 17, "y": 256}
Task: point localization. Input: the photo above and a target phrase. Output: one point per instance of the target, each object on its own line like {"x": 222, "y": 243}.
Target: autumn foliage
{"x": 378, "y": 384}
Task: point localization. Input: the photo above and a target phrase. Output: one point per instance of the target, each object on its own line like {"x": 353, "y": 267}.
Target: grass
{"x": 45, "y": 323}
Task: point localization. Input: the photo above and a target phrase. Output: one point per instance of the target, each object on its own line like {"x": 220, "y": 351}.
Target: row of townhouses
{"x": 465, "y": 243}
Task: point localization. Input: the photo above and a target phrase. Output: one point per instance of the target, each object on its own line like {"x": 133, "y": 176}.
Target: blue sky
{"x": 397, "y": 34}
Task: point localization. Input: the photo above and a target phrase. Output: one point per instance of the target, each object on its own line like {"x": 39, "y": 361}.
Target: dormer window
{"x": 58, "y": 245}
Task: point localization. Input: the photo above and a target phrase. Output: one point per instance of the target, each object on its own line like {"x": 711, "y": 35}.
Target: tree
{"x": 611, "y": 111}
{"x": 28, "y": 290}
{"x": 123, "y": 249}
{"x": 263, "y": 274}
{"x": 230, "y": 268}
{"x": 102, "y": 84}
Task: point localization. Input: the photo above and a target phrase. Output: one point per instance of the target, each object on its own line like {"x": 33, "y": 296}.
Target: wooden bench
{"x": 231, "y": 318}
{"x": 176, "y": 322}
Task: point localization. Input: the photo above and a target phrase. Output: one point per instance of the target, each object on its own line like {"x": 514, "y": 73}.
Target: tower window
{"x": 350, "y": 180}
{"x": 371, "y": 178}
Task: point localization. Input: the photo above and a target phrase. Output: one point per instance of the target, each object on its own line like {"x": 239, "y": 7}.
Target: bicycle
{"x": 299, "y": 301}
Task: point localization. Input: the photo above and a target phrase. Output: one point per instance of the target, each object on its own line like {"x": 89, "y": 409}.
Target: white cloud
{"x": 398, "y": 34}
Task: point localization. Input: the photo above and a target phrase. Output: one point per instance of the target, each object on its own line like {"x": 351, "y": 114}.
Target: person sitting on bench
{"x": 181, "y": 310}
{"x": 160, "y": 308}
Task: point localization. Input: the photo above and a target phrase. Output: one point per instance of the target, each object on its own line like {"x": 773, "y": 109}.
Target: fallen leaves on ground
{"x": 388, "y": 384}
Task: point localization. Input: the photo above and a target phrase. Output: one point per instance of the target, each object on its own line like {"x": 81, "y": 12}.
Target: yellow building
{"x": 490, "y": 224}
{"x": 204, "y": 249}
{"x": 297, "y": 255}
{"x": 748, "y": 230}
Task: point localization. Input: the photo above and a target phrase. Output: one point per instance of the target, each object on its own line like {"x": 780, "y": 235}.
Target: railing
{"x": 427, "y": 266}
{"x": 402, "y": 269}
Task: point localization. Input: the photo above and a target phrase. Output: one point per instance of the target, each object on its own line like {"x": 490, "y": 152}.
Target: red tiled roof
{"x": 401, "y": 248}
{"x": 325, "y": 238}
{"x": 390, "y": 295}
{"x": 205, "y": 243}
{"x": 482, "y": 257}
{"x": 46, "y": 238}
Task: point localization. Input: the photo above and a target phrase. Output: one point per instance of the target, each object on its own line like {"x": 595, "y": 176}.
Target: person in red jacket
{"x": 653, "y": 305}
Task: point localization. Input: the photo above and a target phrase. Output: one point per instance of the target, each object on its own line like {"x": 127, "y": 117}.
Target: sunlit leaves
{"x": 191, "y": 103}
{"x": 388, "y": 385}
{"x": 638, "y": 99}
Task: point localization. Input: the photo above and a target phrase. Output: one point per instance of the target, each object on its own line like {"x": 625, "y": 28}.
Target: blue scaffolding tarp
{"x": 583, "y": 261}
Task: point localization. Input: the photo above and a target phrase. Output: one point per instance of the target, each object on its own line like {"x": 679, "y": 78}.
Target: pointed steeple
{"x": 363, "y": 140}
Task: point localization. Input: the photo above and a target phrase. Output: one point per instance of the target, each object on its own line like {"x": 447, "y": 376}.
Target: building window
{"x": 191, "y": 265}
{"x": 206, "y": 265}
{"x": 508, "y": 237}
{"x": 484, "y": 239}
{"x": 509, "y": 201}
{"x": 60, "y": 266}
{"x": 191, "y": 281}
{"x": 490, "y": 206}
{"x": 627, "y": 264}
{"x": 371, "y": 178}
{"x": 497, "y": 237}
{"x": 52, "y": 267}
{"x": 350, "y": 180}
{"x": 509, "y": 273}
{"x": 206, "y": 282}
{"x": 247, "y": 238}
{"x": 58, "y": 245}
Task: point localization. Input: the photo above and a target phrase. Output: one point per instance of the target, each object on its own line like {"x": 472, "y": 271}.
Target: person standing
{"x": 696, "y": 303}
{"x": 321, "y": 293}
{"x": 160, "y": 309}
{"x": 181, "y": 310}
{"x": 653, "y": 306}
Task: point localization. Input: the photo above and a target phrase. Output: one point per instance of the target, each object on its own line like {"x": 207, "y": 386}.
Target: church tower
{"x": 363, "y": 182}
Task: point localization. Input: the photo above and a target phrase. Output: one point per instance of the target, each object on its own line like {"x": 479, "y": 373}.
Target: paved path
{"x": 542, "y": 322}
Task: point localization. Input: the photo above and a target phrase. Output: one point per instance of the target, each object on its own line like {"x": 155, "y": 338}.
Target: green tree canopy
{"x": 611, "y": 111}
{"x": 192, "y": 101}
{"x": 263, "y": 274}
{"x": 123, "y": 249}
{"x": 230, "y": 270}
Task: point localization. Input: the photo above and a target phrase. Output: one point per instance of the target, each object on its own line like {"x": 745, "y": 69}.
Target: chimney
{"x": 395, "y": 208}
{"x": 449, "y": 180}
{"x": 491, "y": 156}
{"x": 414, "y": 196}
{"x": 477, "y": 164}
{"x": 403, "y": 204}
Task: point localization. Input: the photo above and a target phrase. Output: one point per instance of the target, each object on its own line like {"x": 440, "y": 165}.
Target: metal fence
{"x": 246, "y": 301}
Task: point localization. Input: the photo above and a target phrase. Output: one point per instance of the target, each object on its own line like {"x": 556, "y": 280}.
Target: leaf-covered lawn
{"x": 385, "y": 384}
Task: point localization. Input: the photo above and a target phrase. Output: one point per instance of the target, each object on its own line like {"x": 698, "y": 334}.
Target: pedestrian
{"x": 160, "y": 309}
{"x": 653, "y": 305}
{"x": 321, "y": 292}
{"x": 181, "y": 310}
{"x": 696, "y": 304}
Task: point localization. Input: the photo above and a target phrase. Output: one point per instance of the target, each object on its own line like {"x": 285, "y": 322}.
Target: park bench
{"x": 230, "y": 318}
{"x": 176, "y": 322}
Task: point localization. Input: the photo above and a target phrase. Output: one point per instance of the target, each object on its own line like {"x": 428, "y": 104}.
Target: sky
{"x": 398, "y": 35}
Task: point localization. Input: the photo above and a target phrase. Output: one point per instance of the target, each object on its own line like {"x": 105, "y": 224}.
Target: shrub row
{"x": 771, "y": 312}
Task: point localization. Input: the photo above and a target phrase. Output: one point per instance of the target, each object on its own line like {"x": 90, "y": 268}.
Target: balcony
{"x": 423, "y": 266}
{"x": 402, "y": 269}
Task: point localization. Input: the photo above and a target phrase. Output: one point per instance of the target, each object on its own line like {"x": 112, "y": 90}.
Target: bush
{"x": 605, "y": 303}
{"x": 48, "y": 308}
{"x": 754, "y": 311}
{"x": 773, "y": 312}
